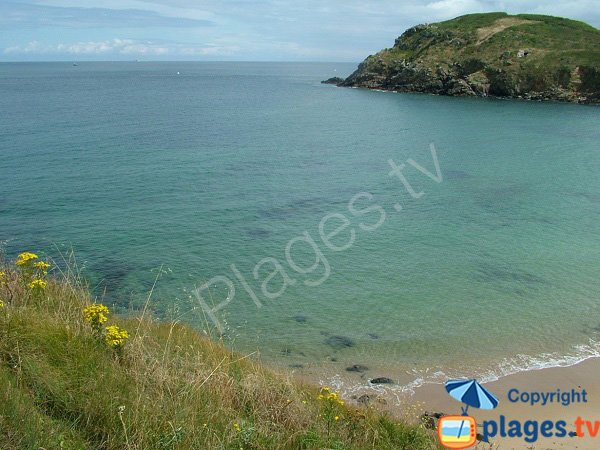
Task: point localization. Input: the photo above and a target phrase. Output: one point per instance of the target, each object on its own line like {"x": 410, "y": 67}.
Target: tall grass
{"x": 169, "y": 387}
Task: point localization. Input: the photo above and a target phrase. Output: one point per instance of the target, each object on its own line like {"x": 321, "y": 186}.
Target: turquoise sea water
{"x": 493, "y": 270}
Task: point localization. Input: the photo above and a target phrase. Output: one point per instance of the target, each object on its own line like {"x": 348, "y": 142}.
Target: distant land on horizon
{"x": 528, "y": 56}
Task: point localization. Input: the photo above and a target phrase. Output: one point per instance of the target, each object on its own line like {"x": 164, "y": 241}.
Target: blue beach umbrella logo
{"x": 471, "y": 393}
{"x": 458, "y": 432}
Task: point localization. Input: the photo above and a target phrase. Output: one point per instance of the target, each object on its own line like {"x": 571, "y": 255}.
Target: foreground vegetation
{"x": 74, "y": 377}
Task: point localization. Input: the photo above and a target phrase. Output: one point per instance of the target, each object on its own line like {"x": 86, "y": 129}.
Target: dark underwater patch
{"x": 112, "y": 274}
{"x": 258, "y": 233}
{"x": 300, "y": 318}
{"x": 339, "y": 342}
{"x": 492, "y": 274}
{"x": 502, "y": 199}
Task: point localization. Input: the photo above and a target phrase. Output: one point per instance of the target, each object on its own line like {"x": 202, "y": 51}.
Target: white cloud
{"x": 166, "y": 8}
{"x": 116, "y": 47}
{"x": 242, "y": 29}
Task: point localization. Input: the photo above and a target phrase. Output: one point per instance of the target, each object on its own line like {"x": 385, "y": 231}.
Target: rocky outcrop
{"x": 490, "y": 55}
{"x": 357, "y": 368}
{"x": 333, "y": 80}
{"x": 382, "y": 380}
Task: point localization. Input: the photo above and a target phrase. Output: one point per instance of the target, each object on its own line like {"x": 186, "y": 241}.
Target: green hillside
{"x": 525, "y": 55}
{"x": 72, "y": 376}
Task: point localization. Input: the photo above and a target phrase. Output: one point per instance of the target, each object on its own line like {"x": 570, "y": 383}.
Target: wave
{"x": 507, "y": 366}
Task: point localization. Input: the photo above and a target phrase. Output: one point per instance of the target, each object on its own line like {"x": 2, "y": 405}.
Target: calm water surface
{"x": 494, "y": 269}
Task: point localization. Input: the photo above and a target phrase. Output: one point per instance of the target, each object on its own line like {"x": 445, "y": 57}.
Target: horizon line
{"x": 174, "y": 61}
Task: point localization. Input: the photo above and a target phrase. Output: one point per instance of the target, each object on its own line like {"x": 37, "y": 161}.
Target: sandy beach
{"x": 577, "y": 378}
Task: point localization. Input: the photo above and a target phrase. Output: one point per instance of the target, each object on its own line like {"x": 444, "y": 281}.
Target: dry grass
{"x": 169, "y": 388}
{"x": 484, "y": 33}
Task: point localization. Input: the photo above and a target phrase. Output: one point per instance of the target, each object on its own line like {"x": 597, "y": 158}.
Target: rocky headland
{"x": 494, "y": 54}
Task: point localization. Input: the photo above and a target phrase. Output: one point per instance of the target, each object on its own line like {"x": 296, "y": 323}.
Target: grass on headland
{"x": 72, "y": 376}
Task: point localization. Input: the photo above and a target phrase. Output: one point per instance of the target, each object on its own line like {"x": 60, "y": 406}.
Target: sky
{"x": 237, "y": 30}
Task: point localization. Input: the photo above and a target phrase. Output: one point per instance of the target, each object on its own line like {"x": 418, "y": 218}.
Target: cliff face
{"x": 523, "y": 56}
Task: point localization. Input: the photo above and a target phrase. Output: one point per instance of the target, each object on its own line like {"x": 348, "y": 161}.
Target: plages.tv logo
{"x": 456, "y": 432}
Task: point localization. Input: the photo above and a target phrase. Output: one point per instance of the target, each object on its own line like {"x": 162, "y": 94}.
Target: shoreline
{"x": 407, "y": 379}
{"x": 409, "y": 402}
{"x": 489, "y": 97}
{"x": 579, "y": 376}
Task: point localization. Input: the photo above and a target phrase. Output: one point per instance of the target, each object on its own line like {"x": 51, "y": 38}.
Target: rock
{"x": 373, "y": 335}
{"x": 339, "y": 342}
{"x": 428, "y": 422}
{"x": 333, "y": 80}
{"x": 430, "y": 419}
{"x": 364, "y": 399}
{"x": 357, "y": 368}
{"x": 460, "y": 87}
{"x": 300, "y": 318}
{"x": 382, "y": 380}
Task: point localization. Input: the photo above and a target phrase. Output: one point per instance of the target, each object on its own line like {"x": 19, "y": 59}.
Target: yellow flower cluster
{"x": 33, "y": 271}
{"x": 43, "y": 266}
{"x": 26, "y": 258}
{"x": 236, "y": 427}
{"x": 327, "y": 395}
{"x": 1, "y": 304}
{"x": 115, "y": 337}
{"x": 96, "y": 314}
{"x": 37, "y": 284}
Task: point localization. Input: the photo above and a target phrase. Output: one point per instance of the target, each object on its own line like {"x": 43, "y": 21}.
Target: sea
{"x": 313, "y": 227}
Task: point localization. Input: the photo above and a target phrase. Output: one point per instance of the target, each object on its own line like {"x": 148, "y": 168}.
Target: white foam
{"x": 508, "y": 366}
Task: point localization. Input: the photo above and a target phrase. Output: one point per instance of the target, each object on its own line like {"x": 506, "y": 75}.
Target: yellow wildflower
{"x": 96, "y": 314}
{"x": 236, "y": 427}
{"x": 336, "y": 418}
{"x": 333, "y": 397}
{"x": 25, "y": 258}
{"x": 37, "y": 284}
{"x": 1, "y": 304}
{"x": 115, "y": 337}
{"x": 43, "y": 266}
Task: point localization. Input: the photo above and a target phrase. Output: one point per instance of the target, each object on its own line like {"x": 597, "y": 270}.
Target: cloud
{"x": 339, "y": 30}
{"x": 26, "y": 15}
{"x": 116, "y": 47}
